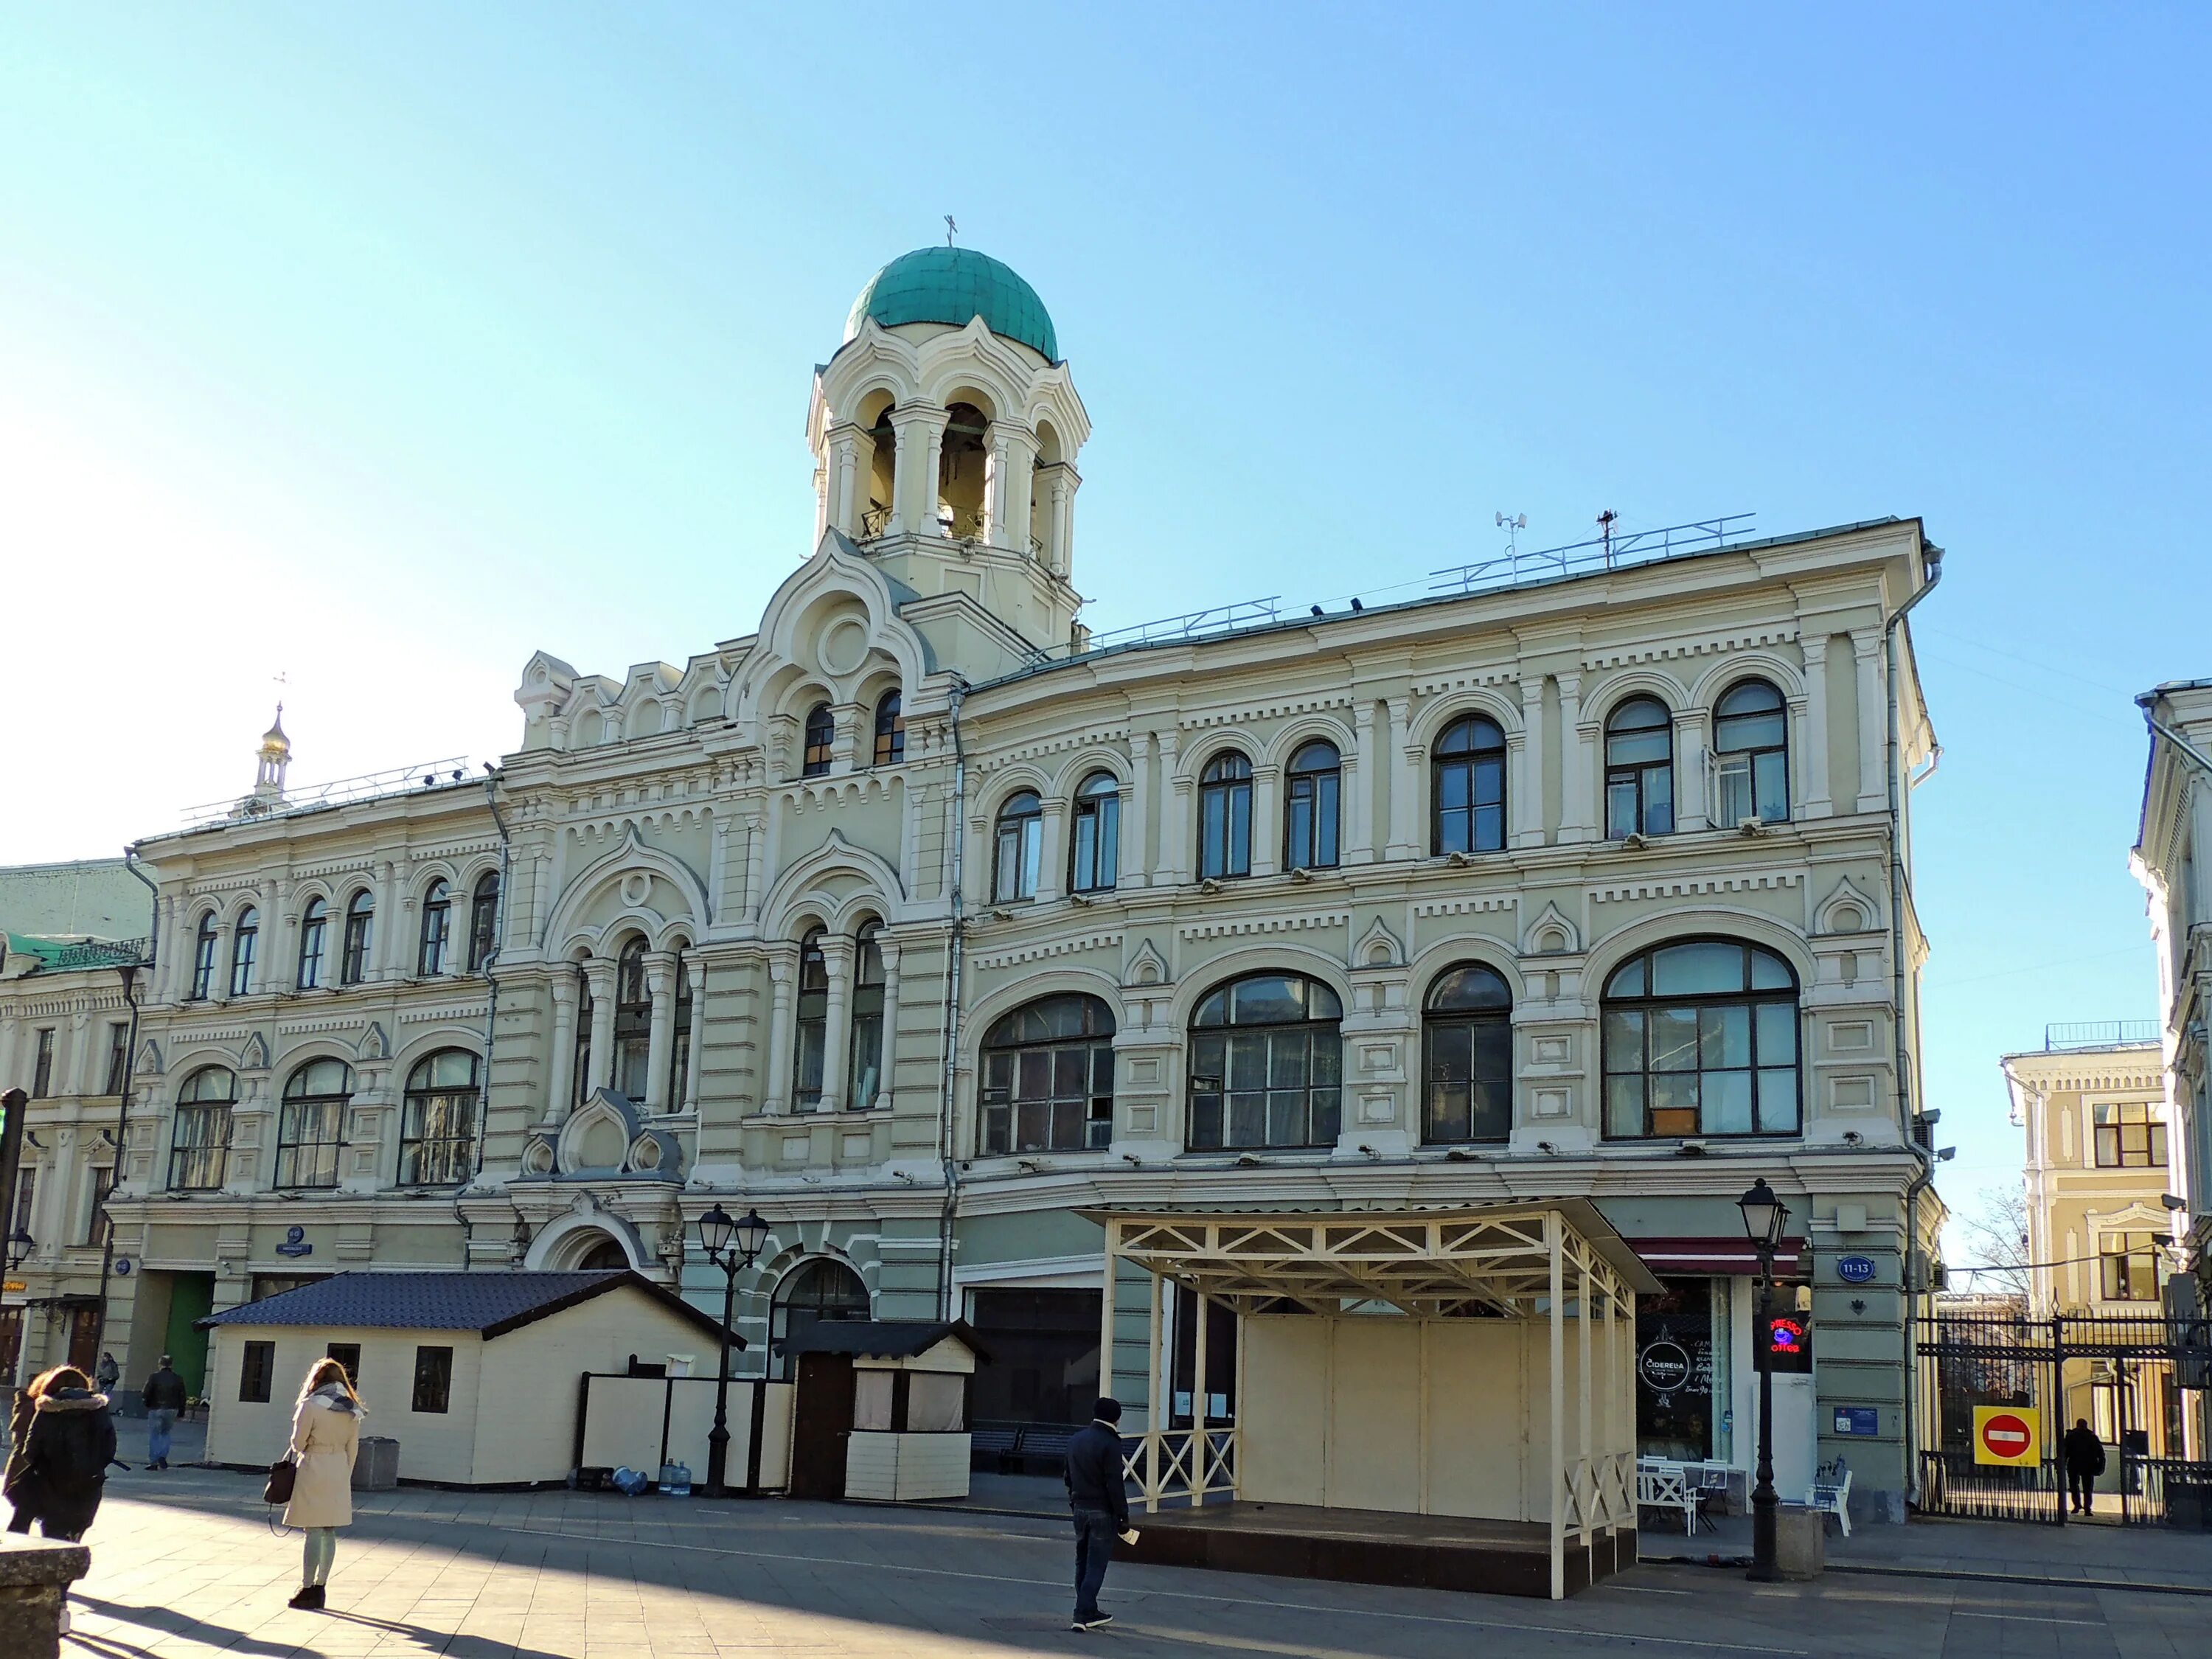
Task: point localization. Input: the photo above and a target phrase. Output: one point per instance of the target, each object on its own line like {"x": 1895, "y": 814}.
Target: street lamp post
{"x": 1764, "y": 1216}
{"x": 730, "y": 1245}
{"x": 20, "y": 1246}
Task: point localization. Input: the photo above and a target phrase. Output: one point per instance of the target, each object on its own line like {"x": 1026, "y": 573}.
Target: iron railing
{"x": 2099, "y": 1034}
{"x": 103, "y": 953}
{"x": 394, "y": 780}
{"x": 1512, "y": 567}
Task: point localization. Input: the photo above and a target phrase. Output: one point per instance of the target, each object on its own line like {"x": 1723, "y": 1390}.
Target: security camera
{"x": 2173, "y": 1201}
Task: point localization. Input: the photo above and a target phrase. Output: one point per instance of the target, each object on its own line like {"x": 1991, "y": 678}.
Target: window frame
{"x": 118, "y": 1057}
{"x": 434, "y": 938}
{"x": 2108, "y": 1260}
{"x": 1017, "y": 848}
{"x": 257, "y": 1372}
{"x": 1309, "y": 1037}
{"x": 1646, "y": 1005}
{"x": 314, "y": 940}
{"x": 633, "y": 1028}
{"x": 1004, "y": 1065}
{"x": 483, "y": 921}
{"x": 1493, "y": 1022}
{"x": 203, "y": 949}
{"x": 1461, "y": 748}
{"x": 865, "y": 1021}
{"x": 358, "y": 941}
{"x": 421, "y": 1095}
{"x": 1225, "y": 817}
{"x": 1094, "y": 841}
{"x": 42, "y": 1063}
{"x": 245, "y": 947}
{"x": 1752, "y": 753}
{"x": 679, "y": 1032}
{"x": 2155, "y": 1147}
{"x": 1647, "y": 814}
{"x": 891, "y": 728}
{"x": 292, "y": 1109}
{"x": 817, "y": 741}
{"x": 433, "y": 1392}
{"x": 819, "y": 1309}
{"x": 1312, "y": 803}
{"x": 212, "y": 1151}
{"x": 809, "y": 1010}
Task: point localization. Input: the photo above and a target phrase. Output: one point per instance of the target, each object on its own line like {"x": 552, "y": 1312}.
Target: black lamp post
{"x": 732, "y": 1245}
{"x": 20, "y": 1246}
{"x": 1763, "y": 1218}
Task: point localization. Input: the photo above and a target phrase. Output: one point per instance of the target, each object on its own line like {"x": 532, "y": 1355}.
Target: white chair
{"x": 1831, "y": 1492}
{"x": 1661, "y": 1485}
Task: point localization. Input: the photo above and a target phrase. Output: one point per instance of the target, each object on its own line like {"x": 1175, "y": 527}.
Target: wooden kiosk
{"x": 1433, "y": 1397}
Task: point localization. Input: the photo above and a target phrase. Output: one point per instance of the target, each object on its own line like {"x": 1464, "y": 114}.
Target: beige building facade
{"x": 923, "y": 919}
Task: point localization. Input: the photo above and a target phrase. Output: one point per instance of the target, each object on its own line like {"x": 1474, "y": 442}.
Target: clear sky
{"x": 377, "y": 347}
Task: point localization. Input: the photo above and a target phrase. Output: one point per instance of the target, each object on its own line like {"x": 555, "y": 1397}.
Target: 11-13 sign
{"x": 2010, "y": 1434}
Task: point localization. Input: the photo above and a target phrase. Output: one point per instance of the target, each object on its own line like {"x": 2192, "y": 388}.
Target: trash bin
{"x": 376, "y": 1469}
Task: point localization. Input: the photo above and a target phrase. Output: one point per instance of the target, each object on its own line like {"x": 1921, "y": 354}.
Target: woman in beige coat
{"x": 325, "y": 1437}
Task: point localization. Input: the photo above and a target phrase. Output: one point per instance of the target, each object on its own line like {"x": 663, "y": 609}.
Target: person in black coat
{"x": 65, "y": 1456}
{"x": 1098, "y": 1496}
{"x": 2083, "y": 1454}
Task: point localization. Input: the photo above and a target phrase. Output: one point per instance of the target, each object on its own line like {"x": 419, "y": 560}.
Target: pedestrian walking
{"x": 107, "y": 1375}
{"x": 2084, "y": 1457}
{"x": 1098, "y": 1496}
{"x": 325, "y": 1439}
{"x": 59, "y": 1466}
{"x": 165, "y": 1397}
{"x": 19, "y": 1448}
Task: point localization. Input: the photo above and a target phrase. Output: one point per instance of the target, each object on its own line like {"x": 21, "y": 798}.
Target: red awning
{"x": 1678, "y": 1256}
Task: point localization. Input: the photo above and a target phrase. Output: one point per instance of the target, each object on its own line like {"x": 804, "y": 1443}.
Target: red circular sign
{"x": 2007, "y": 1436}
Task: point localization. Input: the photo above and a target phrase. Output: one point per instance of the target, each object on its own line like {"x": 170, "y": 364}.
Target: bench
{"x": 1831, "y": 1492}
{"x": 1004, "y": 1447}
{"x": 991, "y": 1446}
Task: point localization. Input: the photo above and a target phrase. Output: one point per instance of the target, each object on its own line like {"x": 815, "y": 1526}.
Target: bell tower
{"x": 945, "y": 433}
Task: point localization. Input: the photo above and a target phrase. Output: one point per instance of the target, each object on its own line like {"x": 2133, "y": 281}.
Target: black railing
{"x": 1952, "y": 1483}
{"x": 2099, "y": 1033}
{"x": 105, "y": 953}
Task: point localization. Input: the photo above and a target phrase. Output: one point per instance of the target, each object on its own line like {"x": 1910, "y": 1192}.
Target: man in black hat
{"x": 1100, "y": 1501}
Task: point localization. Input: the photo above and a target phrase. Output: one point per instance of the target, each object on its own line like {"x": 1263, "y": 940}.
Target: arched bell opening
{"x": 882, "y": 464}
{"x": 963, "y": 460}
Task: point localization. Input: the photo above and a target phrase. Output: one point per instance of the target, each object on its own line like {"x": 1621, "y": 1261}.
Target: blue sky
{"x": 378, "y": 347}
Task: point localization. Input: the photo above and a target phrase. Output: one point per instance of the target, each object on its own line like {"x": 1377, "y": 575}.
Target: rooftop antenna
{"x": 950, "y": 228}
{"x": 1512, "y": 527}
{"x": 1606, "y": 520}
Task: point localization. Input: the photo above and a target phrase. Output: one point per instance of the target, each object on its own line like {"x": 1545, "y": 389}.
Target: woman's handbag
{"x": 281, "y": 1473}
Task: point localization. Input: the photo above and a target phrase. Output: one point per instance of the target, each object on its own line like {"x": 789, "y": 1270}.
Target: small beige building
{"x": 477, "y": 1375}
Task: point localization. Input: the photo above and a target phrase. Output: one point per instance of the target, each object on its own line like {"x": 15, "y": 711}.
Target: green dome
{"x": 950, "y": 285}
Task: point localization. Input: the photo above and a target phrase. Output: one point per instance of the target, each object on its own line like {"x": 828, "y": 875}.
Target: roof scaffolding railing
{"x": 1511, "y": 566}
{"x": 1220, "y": 618}
{"x": 394, "y": 780}
{"x": 2099, "y": 1034}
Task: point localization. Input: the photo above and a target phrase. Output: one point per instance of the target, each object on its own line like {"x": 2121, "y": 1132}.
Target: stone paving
{"x": 185, "y": 1565}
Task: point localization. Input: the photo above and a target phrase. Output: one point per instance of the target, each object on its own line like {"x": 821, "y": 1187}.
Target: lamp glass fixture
{"x": 751, "y": 1236}
{"x": 1763, "y": 1213}
{"x": 715, "y": 1229}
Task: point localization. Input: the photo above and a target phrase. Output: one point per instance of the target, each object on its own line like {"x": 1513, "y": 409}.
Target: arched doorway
{"x": 811, "y": 1293}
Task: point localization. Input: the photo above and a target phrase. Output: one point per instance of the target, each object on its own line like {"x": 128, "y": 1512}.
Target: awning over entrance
{"x": 1433, "y": 1263}
{"x": 1731, "y": 1256}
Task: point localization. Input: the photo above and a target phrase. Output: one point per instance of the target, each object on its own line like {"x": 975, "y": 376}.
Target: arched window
{"x": 1095, "y": 849}
{"x": 605, "y": 1257}
{"x": 203, "y": 958}
{"x": 1639, "y": 769}
{"x": 483, "y": 919}
{"x": 633, "y": 1021}
{"x": 883, "y": 475}
{"x": 1467, "y": 1056}
{"x": 1049, "y": 1077}
{"x": 438, "y": 1120}
{"x": 1700, "y": 1038}
{"x": 314, "y": 932}
{"x": 1225, "y": 817}
{"x": 1467, "y": 786}
{"x": 813, "y": 1033}
{"x": 679, "y": 1047}
{"x": 245, "y": 938}
{"x": 580, "y": 1089}
{"x": 813, "y": 1293}
{"x": 962, "y": 461}
{"x": 1751, "y": 740}
{"x": 821, "y": 733}
{"x": 864, "y": 1070}
{"x": 311, "y": 1122}
{"x": 1265, "y": 1065}
{"x": 199, "y": 1138}
{"x": 1017, "y": 847}
{"x": 360, "y": 924}
{"x": 891, "y": 729}
{"x": 437, "y": 928}
{"x": 1310, "y": 808}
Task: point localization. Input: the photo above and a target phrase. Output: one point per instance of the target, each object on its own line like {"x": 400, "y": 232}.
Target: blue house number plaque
{"x": 296, "y": 1242}
{"x": 1855, "y": 1269}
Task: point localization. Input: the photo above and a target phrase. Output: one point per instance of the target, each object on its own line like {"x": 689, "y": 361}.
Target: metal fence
{"x": 2099, "y": 1033}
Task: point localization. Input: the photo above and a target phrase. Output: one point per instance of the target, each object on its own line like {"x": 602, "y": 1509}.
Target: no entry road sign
{"x": 2008, "y": 1434}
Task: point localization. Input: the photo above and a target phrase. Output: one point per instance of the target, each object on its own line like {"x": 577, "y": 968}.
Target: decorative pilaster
{"x": 1267, "y": 820}
{"x": 1528, "y": 785}
{"x": 837, "y": 958}
{"x": 921, "y": 435}
{"x": 782, "y": 966}
{"x": 1691, "y": 770}
{"x": 1171, "y": 857}
{"x": 888, "y": 1065}
{"x": 851, "y": 449}
{"x": 1873, "y": 721}
{"x": 1576, "y": 763}
{"x": 1051, "y": 850}
{"x": 1358, "y": 802}
{"x": 600, "y": 1064}
{"x": 1134, "y": 856}
{"x": 1405, "y": 842}
{"x": 694, "y": 969}
{"x": 561, "y": 1071}
{"x": 660, "y": 1029}
{"x": 1809, "y": 775}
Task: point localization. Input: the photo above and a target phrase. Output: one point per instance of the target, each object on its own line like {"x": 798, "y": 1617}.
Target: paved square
{"x": 185, "y": 1565}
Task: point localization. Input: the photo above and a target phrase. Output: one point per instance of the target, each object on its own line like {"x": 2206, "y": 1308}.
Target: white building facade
{"x": 922, "y": 921}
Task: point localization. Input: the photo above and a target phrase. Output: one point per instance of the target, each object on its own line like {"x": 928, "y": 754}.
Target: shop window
{"x": 1682, "y": 1388}
{"x": 1048, "y": 1078}
{"x": 1266, "y": 1064}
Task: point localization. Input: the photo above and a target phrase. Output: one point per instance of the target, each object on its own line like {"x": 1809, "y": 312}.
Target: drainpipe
{"x": 954, "y": 940}
{"x": 1907, "y": 1081}
{"x": 129, "y": 1074}
{"x": 491, "y": 1004}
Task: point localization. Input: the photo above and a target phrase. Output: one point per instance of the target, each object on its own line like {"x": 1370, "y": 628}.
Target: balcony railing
{"x": 2099, "y": 1034}
{"x": 1512, "y": 567}
{"x": 103, "y": 953}
{"x": 394, "y": 780}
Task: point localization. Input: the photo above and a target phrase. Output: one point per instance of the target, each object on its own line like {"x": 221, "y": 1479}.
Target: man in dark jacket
{"x": 1099, "y": 1496}
{"x": 165, "y": 1397}
{"x": 2084, "y": 1456}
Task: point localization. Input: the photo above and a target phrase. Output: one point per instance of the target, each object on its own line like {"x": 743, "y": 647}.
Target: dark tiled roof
{"x": 880, "y": 1339}
{"x": 488, "y": 1304}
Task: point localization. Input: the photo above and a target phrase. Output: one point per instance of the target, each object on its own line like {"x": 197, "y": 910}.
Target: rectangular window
{"x": 96, "y": 1219}
{"x": 434, "y": 1379}
{"x": 42, "y": 1068}
{"x": 27, "y": 1192}
{"x": 2130, "y": 1135}
{"x": 257, "y": 1365}
{"x": 2130, "y": 1264}
{"x": 118, "y": 1056}
{"x": 198, "y": 1148}
{"x": 307, "y": 1142}
{"x": 348, "y": 1354}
